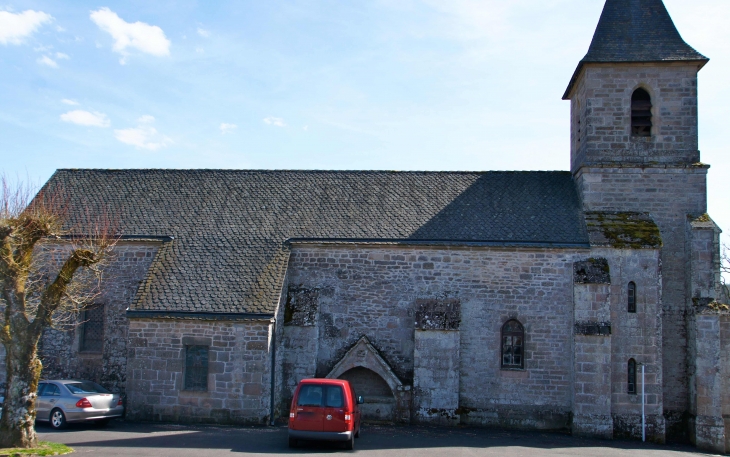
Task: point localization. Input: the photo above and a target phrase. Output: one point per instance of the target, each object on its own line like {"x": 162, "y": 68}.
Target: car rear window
{"x": 320, "y": 395}
{"x": 85, "y": 387}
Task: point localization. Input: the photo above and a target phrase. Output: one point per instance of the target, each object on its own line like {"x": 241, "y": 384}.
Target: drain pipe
{"x": 643, "y": 406}
{"x": 273, "y": 368}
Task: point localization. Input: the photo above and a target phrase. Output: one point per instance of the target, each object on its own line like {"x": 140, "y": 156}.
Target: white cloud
{"x": 45, "y": 60}
{"x": 60, "y": 55}
{"x": 68, "y": 101}
{"x": 227, "y": 128}
{"x": 14, "y": 28}
{"x": 203, "y": 33}
{"x": 276, "y": 121}
{"x": 144, "y": 136}
{"x": 87, "y": 118}
{"x": 147, "y": 38}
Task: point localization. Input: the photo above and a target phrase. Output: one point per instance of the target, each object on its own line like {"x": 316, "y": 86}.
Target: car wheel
{"x": 357, "y": 434}
{"x": 58, "y": 419}
{"x": 293, "y": 442}
{"x": 350, "y": 444}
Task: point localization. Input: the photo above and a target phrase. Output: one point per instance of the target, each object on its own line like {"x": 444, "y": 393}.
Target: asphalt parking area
{"x": 146, "y": 439}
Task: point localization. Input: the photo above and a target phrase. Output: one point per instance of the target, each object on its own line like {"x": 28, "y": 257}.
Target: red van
{"x": 324, "y": 409}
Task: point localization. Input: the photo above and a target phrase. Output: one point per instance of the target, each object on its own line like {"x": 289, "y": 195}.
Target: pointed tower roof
{"x": 636, "y": 31}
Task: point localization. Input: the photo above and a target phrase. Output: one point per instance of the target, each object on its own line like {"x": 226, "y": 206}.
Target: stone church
{"x": 515, "y": 299}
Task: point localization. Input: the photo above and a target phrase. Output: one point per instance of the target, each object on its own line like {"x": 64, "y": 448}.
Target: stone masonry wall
{"x": 725, "y": 375}
{"x": 638, "y": 336}
{"x": 59, "y": 349}
{"x": 366, "y": 290}
{"x": 658, "y": 174}
{"x": 601, "y": 115}
{"x": 238, "y": 371}
{"x": 669, "y": 195}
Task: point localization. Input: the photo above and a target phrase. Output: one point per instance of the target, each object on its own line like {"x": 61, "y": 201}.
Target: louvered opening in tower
{"x": 641, "y": 113}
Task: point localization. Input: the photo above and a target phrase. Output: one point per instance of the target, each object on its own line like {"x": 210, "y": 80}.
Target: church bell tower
{"x": 634, "y": 148}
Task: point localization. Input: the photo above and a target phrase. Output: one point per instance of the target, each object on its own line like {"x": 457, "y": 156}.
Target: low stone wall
{"x": 238, "y": 382}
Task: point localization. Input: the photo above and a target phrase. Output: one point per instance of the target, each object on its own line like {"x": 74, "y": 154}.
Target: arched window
{"x": 632, "y": 377}
{"x": 513, "y": 344}
{"x": 640, "y": 113}
{"x": 632, "y": 297}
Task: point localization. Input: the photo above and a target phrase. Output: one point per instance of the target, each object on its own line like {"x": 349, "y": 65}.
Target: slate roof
{"x": 636, "y": 31}
{"x": 229, "y": 253}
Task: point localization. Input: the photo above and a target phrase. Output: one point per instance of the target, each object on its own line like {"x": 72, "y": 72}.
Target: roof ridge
{"x": 262, "y": 170}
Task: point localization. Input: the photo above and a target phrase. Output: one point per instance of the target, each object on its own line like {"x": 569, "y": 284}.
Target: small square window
{"x": 196, "y": 368}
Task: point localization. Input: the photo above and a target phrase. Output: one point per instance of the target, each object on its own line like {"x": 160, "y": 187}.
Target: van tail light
{"x": 292, "y": 415}
{"x": 83, "y": 403}
{"x": 120, "y": 403}
{"x": 348, "y": 418}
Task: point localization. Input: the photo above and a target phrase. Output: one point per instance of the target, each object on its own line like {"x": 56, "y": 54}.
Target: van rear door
{"x": 310, "y": 411}
{"x": 335, "y": 409}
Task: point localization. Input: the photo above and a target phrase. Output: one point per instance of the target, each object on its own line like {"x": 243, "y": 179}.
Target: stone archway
{"x": 389, "y": 400}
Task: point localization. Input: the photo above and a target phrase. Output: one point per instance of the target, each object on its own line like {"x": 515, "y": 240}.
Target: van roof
{"x": 337, "y": 382}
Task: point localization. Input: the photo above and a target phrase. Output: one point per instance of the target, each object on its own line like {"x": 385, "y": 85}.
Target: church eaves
{"x": 636, "y": 31}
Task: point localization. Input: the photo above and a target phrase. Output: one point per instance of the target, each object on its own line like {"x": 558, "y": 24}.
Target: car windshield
{"x": 85, "y": 387}
{"x": 320, "y": 395}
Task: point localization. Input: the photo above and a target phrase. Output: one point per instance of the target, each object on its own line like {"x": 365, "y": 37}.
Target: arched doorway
{"x": 380, "y": 402}
{"x": 386, "y": 398}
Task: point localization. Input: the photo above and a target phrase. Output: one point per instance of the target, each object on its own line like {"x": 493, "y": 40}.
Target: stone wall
{"x": 638, "y": 336}
{"x": 601, "y": 115}
{"x": 669, "y": 195}
{"x": 59, "y": 348}
{"x": 367, "y": 290}
{"x": 707, "y": 426}
{"x": 239, "y": 370}
{"x": 660, "y": 174}
{"x": 725, "y": 375}
{"x": 592, "y": 350}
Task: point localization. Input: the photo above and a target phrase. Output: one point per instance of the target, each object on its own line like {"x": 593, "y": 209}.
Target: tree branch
{"x": 51, "y": 298}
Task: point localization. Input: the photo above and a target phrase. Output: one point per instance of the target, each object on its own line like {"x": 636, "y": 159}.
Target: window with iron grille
{"x": 641, "y": 113}
{"x": 632, "y": 297}
{"x": 92, "y": 329}
{"x": 196, "y": 368}
{"x": 632, "y": 376}
{"x": 513, "y": 342}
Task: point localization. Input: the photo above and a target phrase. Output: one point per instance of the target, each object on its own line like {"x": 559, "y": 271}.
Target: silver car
{"x": 61, "y": 402}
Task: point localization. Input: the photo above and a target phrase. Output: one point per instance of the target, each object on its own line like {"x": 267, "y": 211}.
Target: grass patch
{"x": 44, "y": 448}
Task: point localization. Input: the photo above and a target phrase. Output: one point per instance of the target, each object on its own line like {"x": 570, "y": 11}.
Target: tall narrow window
{"x": 632, "y": 297}
{"x": 513, "y": 342}
{"x": 632, "y": 376}
{"x": 92, "y": 329}
{"x": 641, "y": 113}
{"x": 196, "y": 368}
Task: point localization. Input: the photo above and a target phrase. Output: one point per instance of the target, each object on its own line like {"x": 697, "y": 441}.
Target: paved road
{"x": 128, "y": 439}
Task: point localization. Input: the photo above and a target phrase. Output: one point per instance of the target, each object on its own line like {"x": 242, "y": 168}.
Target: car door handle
{"x": 53, "y": 401}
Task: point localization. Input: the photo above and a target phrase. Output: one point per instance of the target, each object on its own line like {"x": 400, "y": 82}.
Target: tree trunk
{"x": 23, "y": 373}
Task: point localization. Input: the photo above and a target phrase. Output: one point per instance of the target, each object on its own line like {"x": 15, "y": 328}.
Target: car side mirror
{"x": 360, "y": 401}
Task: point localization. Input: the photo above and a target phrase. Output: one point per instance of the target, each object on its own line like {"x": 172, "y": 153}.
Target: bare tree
{"x": 48, "y": 273}
{"x": 725, "y": 273}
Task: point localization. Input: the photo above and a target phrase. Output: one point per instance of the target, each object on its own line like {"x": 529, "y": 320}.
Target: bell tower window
{"x": 641, "y": 113}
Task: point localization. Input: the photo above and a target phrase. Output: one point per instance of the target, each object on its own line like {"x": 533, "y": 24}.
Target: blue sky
{"x": 318, "y": 84}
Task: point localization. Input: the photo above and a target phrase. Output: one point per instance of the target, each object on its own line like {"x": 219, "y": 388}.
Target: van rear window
{"x": 320, "y": 395}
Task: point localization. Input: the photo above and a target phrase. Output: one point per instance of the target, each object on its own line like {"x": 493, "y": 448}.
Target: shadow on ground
{"x": 273, "y": 440}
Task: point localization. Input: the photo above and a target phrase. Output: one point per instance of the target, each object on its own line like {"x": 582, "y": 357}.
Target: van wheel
{"x": 293, "y": 442}
{"x": 357, "y": 434}
{"x": 350, "y": 444}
